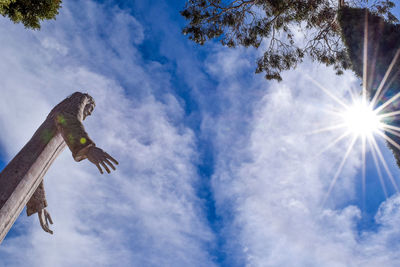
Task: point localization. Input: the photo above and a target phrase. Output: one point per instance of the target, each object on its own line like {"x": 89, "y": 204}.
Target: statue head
{"x": 88, "y": 106}
{"x": 78, "y": 104}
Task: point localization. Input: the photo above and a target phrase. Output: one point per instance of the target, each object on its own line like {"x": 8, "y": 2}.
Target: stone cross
{"x": 21, "y": 181}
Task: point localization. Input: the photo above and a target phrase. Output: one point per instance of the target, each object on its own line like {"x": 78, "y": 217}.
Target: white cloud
{"x": 144, "y": 214}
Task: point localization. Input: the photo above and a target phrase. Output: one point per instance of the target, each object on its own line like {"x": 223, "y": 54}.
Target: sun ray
{"x": 326, "y": 129}
{"x": 326, "y": 91}
{"x": 333, "y": 143}
{"x": 346, "y": 155}
{"x": 331, "y": 111}
{"x": 372, "y": 64}
{"x": 388, "y": 71}
{"x": 380, "y": 156}
{"x": 384, "y": 105}
{"x": 365, "y": 58}
{"x": 388, "y": 84}
{"x": 378, "y": 168}
{"x": 390, "y": 140}
{"x": 388, "y": 127}
{"x": 392, "y": 132}
{"x": 389, "y": 114}
{"x": 363, "y": 166}
{"x": 353, "y": 95}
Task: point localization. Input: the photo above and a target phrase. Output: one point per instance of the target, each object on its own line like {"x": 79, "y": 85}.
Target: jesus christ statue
{"x": 21, "y": 181}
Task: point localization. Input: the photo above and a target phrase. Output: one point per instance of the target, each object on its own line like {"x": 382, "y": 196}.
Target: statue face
{"x": 89, "y": 107}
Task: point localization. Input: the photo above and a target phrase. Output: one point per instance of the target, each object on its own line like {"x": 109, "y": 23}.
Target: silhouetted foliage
{"x": 29, "y": 12}
{"x": 383, "y": 45}
{"x": 291, "y": 29}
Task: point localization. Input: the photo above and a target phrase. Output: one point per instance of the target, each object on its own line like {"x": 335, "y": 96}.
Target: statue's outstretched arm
{"x": 81, "y": 145}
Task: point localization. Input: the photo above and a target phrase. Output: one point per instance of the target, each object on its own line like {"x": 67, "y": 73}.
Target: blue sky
{"x": 216, "y": 168}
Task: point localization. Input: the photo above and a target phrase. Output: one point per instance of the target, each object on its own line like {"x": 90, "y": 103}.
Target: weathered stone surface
{"x": 21, "y": 181}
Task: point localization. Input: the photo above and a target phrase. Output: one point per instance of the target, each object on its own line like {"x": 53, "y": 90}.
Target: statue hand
{"x": 99, "y": 157}
{"x": 44, "y": 219}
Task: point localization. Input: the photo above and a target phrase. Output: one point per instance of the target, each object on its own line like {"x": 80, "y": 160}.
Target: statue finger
{"x": 43, "y": 226}
{"x": 48, "y": 218}
{"x": 111, "y": 158}
{"x": 105, "y": 166}
{"x": 109, "y": 163}
{"x": 98, "y": 167}
{"x": 41, "y": 220}
{"x": 47, "y": 229}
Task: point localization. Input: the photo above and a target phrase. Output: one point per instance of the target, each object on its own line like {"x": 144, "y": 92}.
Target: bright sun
{"x": 364, "y": 120}
{"x": 361, "y": 120}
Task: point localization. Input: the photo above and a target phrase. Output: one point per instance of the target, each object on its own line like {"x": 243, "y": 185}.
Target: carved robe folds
{"x": 75, "y": 136}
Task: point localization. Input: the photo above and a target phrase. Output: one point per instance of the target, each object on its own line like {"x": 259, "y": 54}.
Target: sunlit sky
{"x": 218, "y": 167}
